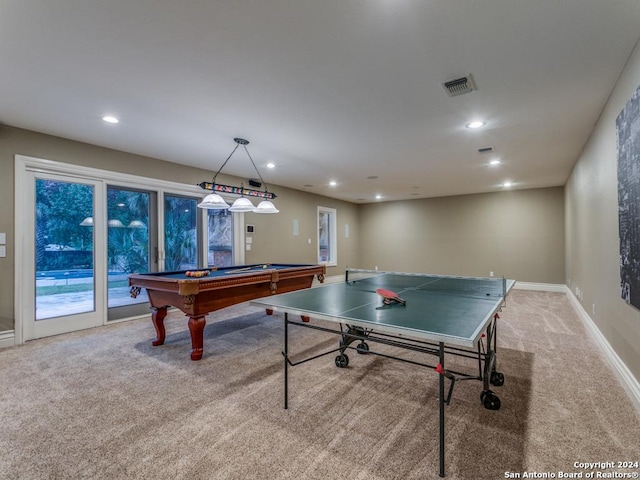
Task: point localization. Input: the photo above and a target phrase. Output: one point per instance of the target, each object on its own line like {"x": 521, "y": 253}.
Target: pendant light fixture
{"x": 243, "y": 204}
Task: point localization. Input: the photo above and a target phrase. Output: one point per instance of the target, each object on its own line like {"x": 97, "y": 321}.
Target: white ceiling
{"x": 326, "y": 89}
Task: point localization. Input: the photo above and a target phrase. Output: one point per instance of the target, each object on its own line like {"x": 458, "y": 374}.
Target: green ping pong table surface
{"x": 454, "y": 310}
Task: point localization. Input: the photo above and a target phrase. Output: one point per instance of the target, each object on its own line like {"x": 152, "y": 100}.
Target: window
{"x": 327, "y": 239}
{"x": 180, "y": 232}
{"x": 129, "y": 245}
{"x": 220, "y": 235}
{"x": 64, "y": 253}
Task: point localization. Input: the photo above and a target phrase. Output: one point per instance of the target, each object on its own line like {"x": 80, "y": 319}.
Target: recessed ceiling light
{"x": 494, "y": 162}
{"x": 475, "y": 124}
{"x": 110, "y": 119}
{"x": 333, "y": 183}
{"x": 378, "y": 197}
{"x": 507, "y": 184}
{"x": 271, "y": 165}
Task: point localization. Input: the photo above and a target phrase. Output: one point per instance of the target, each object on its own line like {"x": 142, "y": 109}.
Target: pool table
{"x": 221, "y": 287}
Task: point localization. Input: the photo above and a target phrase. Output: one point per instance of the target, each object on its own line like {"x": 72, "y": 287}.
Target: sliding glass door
{"x": 65, "y": 274}
{"x": 181, "y": 233}
{"x": 131, "y": 238}
{"x": 82, "y": 231}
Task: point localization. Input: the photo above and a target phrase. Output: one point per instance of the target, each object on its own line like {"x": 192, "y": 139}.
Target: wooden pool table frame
{"x": 197, "y": 297}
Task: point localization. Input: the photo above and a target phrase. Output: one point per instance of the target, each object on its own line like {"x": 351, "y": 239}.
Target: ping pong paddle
{"x": 389, "y": 297}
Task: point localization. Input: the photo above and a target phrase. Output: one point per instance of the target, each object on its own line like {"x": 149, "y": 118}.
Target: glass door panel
{"x": 65, "y": 274}
{"x": 180, "y": 233}
{"x": 220, "y": 238}
{"x": 130, "y": 240}
{"x": 65, "y": 241}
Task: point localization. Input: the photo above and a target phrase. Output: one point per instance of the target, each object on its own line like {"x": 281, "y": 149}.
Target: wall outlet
{"x": 578, "y": 293}
{"x": 491, "y": 274}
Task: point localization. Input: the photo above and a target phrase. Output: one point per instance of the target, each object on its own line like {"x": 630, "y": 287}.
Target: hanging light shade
{"x": 115, "y": 223}
{"x": 213, "y": 201}
{"x": 136, "y": 224}
{"x": 242, "y": 204}
{"x": 266, "y": 206}
{"x": 87, "y": 222}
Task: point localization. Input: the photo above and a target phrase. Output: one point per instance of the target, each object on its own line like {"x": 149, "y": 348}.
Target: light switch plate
{"x": 3, "y": 238}
{"x": 3, "y": 251}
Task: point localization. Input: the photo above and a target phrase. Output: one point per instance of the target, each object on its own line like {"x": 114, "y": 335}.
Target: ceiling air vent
{"x": 459, "y": 86}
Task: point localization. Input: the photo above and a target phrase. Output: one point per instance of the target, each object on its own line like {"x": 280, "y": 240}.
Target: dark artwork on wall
{"x": 628, "y": 129}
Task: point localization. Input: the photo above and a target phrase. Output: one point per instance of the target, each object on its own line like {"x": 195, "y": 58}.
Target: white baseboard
{"x": 544, "y": 287}
{"x": 7, "y": 339}
{"x": 626, "y": 378}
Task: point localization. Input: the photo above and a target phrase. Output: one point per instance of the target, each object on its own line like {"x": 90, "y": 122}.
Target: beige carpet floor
{"x": 105, "y": 404}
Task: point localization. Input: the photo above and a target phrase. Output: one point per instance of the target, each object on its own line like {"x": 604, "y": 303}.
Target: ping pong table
{"x": 436, "y": 315}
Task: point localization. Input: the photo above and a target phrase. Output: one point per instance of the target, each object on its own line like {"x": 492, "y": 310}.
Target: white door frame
{"x": 32, "y": 328}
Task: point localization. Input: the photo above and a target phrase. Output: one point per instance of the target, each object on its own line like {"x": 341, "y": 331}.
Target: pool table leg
{"x": 196, "y": 327}
{"x": 157, "y": 317}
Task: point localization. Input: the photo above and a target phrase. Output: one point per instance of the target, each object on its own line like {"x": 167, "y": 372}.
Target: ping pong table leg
{"x": 441, "y": 409}
{"x": 285, "y": 354}
{"x": 490, "y": 376}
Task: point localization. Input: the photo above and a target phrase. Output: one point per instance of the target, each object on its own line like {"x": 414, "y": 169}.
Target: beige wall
{"x": 274, "y": 240}
{"x": 592, "y": 228}
{"x": 516, "y": 234}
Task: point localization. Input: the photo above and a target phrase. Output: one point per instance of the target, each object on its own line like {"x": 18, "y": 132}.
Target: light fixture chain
{"x": 225, "y": 162}
{"x": 256, "y": 168}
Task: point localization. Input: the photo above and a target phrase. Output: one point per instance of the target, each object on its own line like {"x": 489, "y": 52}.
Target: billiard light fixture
{"x": 214, "y": 201}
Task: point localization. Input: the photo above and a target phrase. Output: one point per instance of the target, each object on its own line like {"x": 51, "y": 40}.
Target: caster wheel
{"x": 490, "y": 400}
{"x": 362, "y": 348}
{"x": 342, "y": 361}
{"x": 497, "y": 379}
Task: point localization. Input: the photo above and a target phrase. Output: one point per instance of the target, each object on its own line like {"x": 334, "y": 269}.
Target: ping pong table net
{"x": 399, "y": 282}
